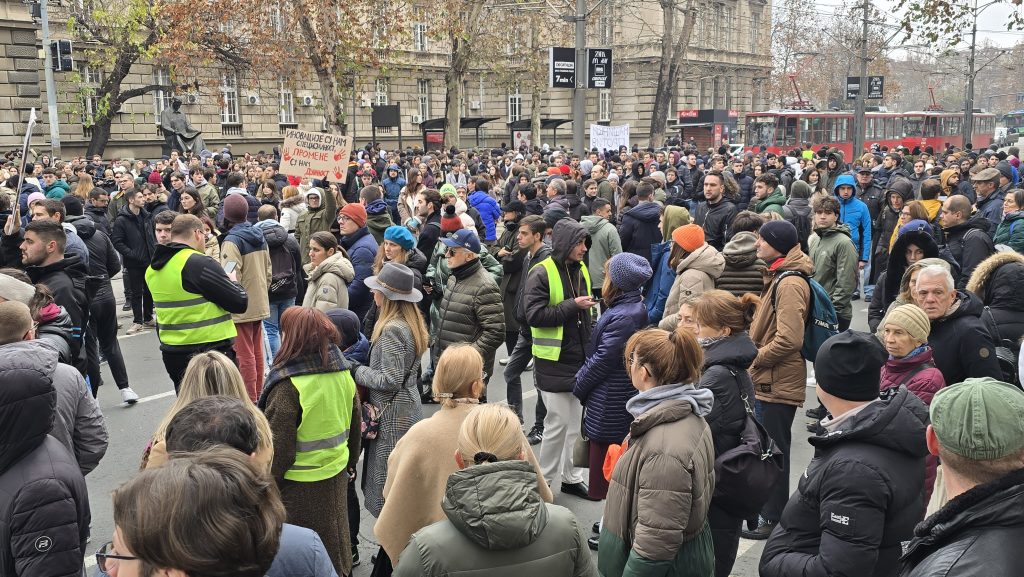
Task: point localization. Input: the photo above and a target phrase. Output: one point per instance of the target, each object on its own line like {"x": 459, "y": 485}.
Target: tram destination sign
{"x": 562, "y": 68}
{"x": 876, "y": 87}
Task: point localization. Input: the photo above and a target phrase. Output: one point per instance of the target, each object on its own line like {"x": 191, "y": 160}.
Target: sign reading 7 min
{"x": 599, "y": 67}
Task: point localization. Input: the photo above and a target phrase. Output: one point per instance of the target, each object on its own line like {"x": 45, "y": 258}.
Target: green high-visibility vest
{"x": 183, "y": 317}
{"x": 547, "y": 341}
{"x": 321, "y": 442}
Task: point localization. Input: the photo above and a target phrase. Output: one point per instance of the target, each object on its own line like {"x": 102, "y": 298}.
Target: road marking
{"x": 745, "y": 545}
{"x": 154, "y": 397}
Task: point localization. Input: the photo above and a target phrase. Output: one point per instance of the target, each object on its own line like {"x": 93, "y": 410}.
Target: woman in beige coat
{"x": 329, "y": 273}
{"x": 697, "y": 264}
{"x": 421, "y": 462}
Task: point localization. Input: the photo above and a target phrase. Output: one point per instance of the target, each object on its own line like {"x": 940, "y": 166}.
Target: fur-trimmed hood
{"x": 996, "y": 280}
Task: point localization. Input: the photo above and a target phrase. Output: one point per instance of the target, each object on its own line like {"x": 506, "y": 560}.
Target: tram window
{"x": 790, "y": 132}
{"x": 830, "y": 128}
{"x": 844, "y": 130}
{"x": 780, "y": 139}
{"x": 889, "y": 131}
{"x": 931, "y": 126}
{"x": 806, "y": 132}
{"x": 913, "y": 126}
{"x": 817, "y": 130}
{"x": 760, "y": 130}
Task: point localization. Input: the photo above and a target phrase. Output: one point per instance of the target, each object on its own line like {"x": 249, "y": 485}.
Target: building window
{"x": 716, "y": 92}
{"x": 161, "y": 97}
{"x": 515, "y": 104}
{"x": 419, "y": 37}
{"x": 275, "y": 19}
{"x": 757, "y": 94}
{"x": 755, "y": 31}
{"x": 423, "y": 98}
{"x": 380, "y": 92}
{"x": 716, "y": 27}
{"x": 90, "y": 74}
{"x": 229, "y": 98}
{"x": 287, "y": 102}
{"x": 702, "y": 94}
{"x": 728, "y": 92}
{"x": 604, "y": 105}
{"x": 727, "y": 28}
{"x": 605, "y": 23}
{"x": 462, "y": 101}
{"x": 89, "y": 107}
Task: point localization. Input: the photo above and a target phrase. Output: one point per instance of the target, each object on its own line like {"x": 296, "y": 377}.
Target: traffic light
{"x": 60, "y": 56}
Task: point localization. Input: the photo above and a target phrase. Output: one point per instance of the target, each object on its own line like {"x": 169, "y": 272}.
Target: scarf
{"x": 912, "y": 353}
{"x": 700, "y": 399}
{"x": 706, "y": 342}
{"x": 307, "y": 364}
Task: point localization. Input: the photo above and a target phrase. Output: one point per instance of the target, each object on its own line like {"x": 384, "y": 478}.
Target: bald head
{"x": 15, "y": 322}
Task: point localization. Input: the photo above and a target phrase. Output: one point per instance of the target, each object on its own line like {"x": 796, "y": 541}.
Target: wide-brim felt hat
{"x": 396, "y": 282}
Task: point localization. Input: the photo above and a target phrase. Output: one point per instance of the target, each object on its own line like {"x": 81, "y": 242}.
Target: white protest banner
{"x": 520, "y": 138}
{"x": 316, "y": 155}
{"x": 608, "y": 137}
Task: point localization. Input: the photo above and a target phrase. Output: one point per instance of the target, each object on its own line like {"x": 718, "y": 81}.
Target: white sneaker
{"x": 503, "y": 362}
{"x": 529, "y": 365}
{"x": 129, "y": 396}
{"x": 135, "y": 329}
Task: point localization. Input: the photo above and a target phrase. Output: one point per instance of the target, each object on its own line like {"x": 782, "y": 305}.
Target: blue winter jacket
{"x": 393, "y": 187}
{"x": 657, "y": 289}
{"x": 855, "y": 214}
{"x": 362, "y": 249}
{"x": 489, "y": 211}
{"x": 602, "y": 384}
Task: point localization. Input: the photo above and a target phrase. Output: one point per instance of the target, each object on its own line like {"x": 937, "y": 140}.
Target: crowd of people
{"x": 667, "y": 302}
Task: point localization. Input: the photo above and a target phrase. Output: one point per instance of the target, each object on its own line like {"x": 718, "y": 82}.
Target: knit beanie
{"x": 12, "y": 289}
{"x": 236, "y": 209}
{"x": 347, "y": 323}
{"x": 154, "y": 178}
{"x": 35, "y": 196}
{"x": 450, "y": 222}
{"x": 780, "y": 235}
{"x": 629, "y": 271}
{"x": 912, "y": 319}
{"x": 689, "y": 237}
{"x": 356, "y": 212}
{"x": 849, "y": 366}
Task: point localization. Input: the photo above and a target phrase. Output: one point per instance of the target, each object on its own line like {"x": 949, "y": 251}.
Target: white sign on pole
{"x": 608, "y": 137}
{"x": 520, "y": 138}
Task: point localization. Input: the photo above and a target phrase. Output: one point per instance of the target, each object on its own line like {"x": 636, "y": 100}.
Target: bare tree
{"x": 674, "y": 43}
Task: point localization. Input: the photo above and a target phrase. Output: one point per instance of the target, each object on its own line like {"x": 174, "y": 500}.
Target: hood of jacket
{"x": 900, "y": 186}
{"x": 294, "y": 201}
{"x": 844, "y": 180}
{"x": 674, "y": 217}
{"x": 896, "y": 421}
{"x": 237, "y": 190}
{"x": 273, "y": 232}
{"x": 566, "y": 234}
{"x": 737, "y": 255}
{"x": 336, "y": 263}
{"x": 247, "y": 237}
{"x": 734, "y": 351}
{"x": 71, "y": 264}
{"x": 998, "y": 279}
{"x": 837, "y": 155}
{"x": 645, "y": 212}
{"x": 776, "y": 197}
{"x": 977, "y": 221}
{"x": 164, "y": 252}
{"x": 377, "y": 207}
{"x": 833, "y": 230}
{"x": 28, "y": 401}
{"x": 84, "y": 226}
{"x": 496, "y": 505}
{"x": 898, "y": 258}
{"x": 594, "y": 224}
{"x": 705, "y": 259}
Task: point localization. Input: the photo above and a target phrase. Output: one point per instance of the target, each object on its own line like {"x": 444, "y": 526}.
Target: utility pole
{"x": 51, "y": 88}
{"x": 858, "y": 115}
{"x": 579, "y": 94}
{"x": 969, "y": 104}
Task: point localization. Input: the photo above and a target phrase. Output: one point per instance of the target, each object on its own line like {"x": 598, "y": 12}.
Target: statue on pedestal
{"x": 179, "y": 134}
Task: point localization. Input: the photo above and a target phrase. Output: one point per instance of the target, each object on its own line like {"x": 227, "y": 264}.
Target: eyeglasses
{"x": 342, "y": 219}
{"x": 102, "y": 557}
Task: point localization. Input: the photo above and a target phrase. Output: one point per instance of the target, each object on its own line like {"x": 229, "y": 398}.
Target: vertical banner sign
{"x": 852, "y": 87}
{"x": 316, "y": 155}
{"x": 599, "y": 67}
{"x": 562, "y": 68}
{"x": 605, "y": 138}
{"x": 520, "y": 138}
{"x": 876, "y": 87}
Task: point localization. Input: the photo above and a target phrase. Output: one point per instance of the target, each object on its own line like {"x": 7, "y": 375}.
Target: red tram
{"x": 782, "y": 130}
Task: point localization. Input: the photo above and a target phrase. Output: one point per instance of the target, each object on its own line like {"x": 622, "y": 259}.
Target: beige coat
{"x": 328, "y": 283}
{"x": 418, "y": 471}
{"x": 695, "y": 274}
{"x": 254, "y": 272}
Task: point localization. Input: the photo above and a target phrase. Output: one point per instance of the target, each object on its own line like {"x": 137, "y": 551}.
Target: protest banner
{"x": 315, "y": 155}
{"x": 605, "y": 138}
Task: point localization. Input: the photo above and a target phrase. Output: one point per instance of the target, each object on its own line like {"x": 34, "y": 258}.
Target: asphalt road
{"x": 130, "y": 429}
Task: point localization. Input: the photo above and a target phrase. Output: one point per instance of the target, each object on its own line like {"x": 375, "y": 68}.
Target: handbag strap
{"x": 770, "y": 450}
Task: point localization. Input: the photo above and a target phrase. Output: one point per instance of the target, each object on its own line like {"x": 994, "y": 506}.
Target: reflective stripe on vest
{"x": 547, "y": 341}
{"x": 185, "y": 318}
{"x": 321, "y": 442}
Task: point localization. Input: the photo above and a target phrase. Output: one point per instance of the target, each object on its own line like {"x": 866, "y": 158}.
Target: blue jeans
{"x": 272, "y": 324}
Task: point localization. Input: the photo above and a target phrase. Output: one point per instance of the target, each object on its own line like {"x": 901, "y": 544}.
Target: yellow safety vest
{"x": 547, "y": 341}
{"x": 321, "y": 442}
{"x": 185, "y": 318}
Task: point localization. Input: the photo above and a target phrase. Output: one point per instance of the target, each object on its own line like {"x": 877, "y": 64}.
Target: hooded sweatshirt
{"x": 639, "y": 229}
{"x": 605, "y": 244}
{"x": 245, "y": 245}
{"x": 378, "y": 219}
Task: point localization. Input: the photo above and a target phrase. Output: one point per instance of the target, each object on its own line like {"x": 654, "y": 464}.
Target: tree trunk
{"x": 452, "y": 98}
{"x": 331, "y": 93}
{"x": 535, "y": 118}
{"x": 668, "y": 72}
{"x": 100, "y": 136}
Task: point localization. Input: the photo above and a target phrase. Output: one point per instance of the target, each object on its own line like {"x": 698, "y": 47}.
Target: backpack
{"x": 745, "y": 474}
{"x": 1005, "y": 353}
{"x": 822, "y": 322}
{"x": 802, "y": 222}
{"x": 282, "y": 273}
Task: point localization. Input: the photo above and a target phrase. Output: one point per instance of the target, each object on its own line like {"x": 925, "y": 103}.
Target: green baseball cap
{"x": 979, "y": 419}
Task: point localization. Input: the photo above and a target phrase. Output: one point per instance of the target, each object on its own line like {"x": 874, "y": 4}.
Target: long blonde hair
{"x": 492, "y": 429}
{"x": 211, "y": 373}
{"x": 378, "y": 261}
{"x": 458, "y": 369}
{"x": 84, "y": 186}
{"x": 410, "y": 313}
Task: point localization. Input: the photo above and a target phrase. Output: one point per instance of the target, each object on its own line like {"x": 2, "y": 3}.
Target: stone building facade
{"x": 727, "y": 66}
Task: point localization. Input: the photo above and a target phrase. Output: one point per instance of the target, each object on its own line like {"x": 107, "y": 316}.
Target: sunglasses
{"x": 452, "y": 251}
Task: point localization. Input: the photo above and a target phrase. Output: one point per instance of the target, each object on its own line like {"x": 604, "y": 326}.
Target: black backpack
{"x": 282, "y": 276}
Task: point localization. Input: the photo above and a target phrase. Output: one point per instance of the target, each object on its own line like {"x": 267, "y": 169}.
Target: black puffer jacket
{"x": 998, "y": 282}
{"x": 962, "y": 344}
{"x": 725, "y": 374}
{"x": 859, "y": 498}
{"x": 976, "y": 534}
{"x": 560, "y": 376}
{"x": 640, "y": 229}
{"x": 471, "y": 312}
{"x": 44, "y": 503}
{"x": 969, "y": 244}
{"x": 715, "y": 219}
{"x": 104, "y": 261}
